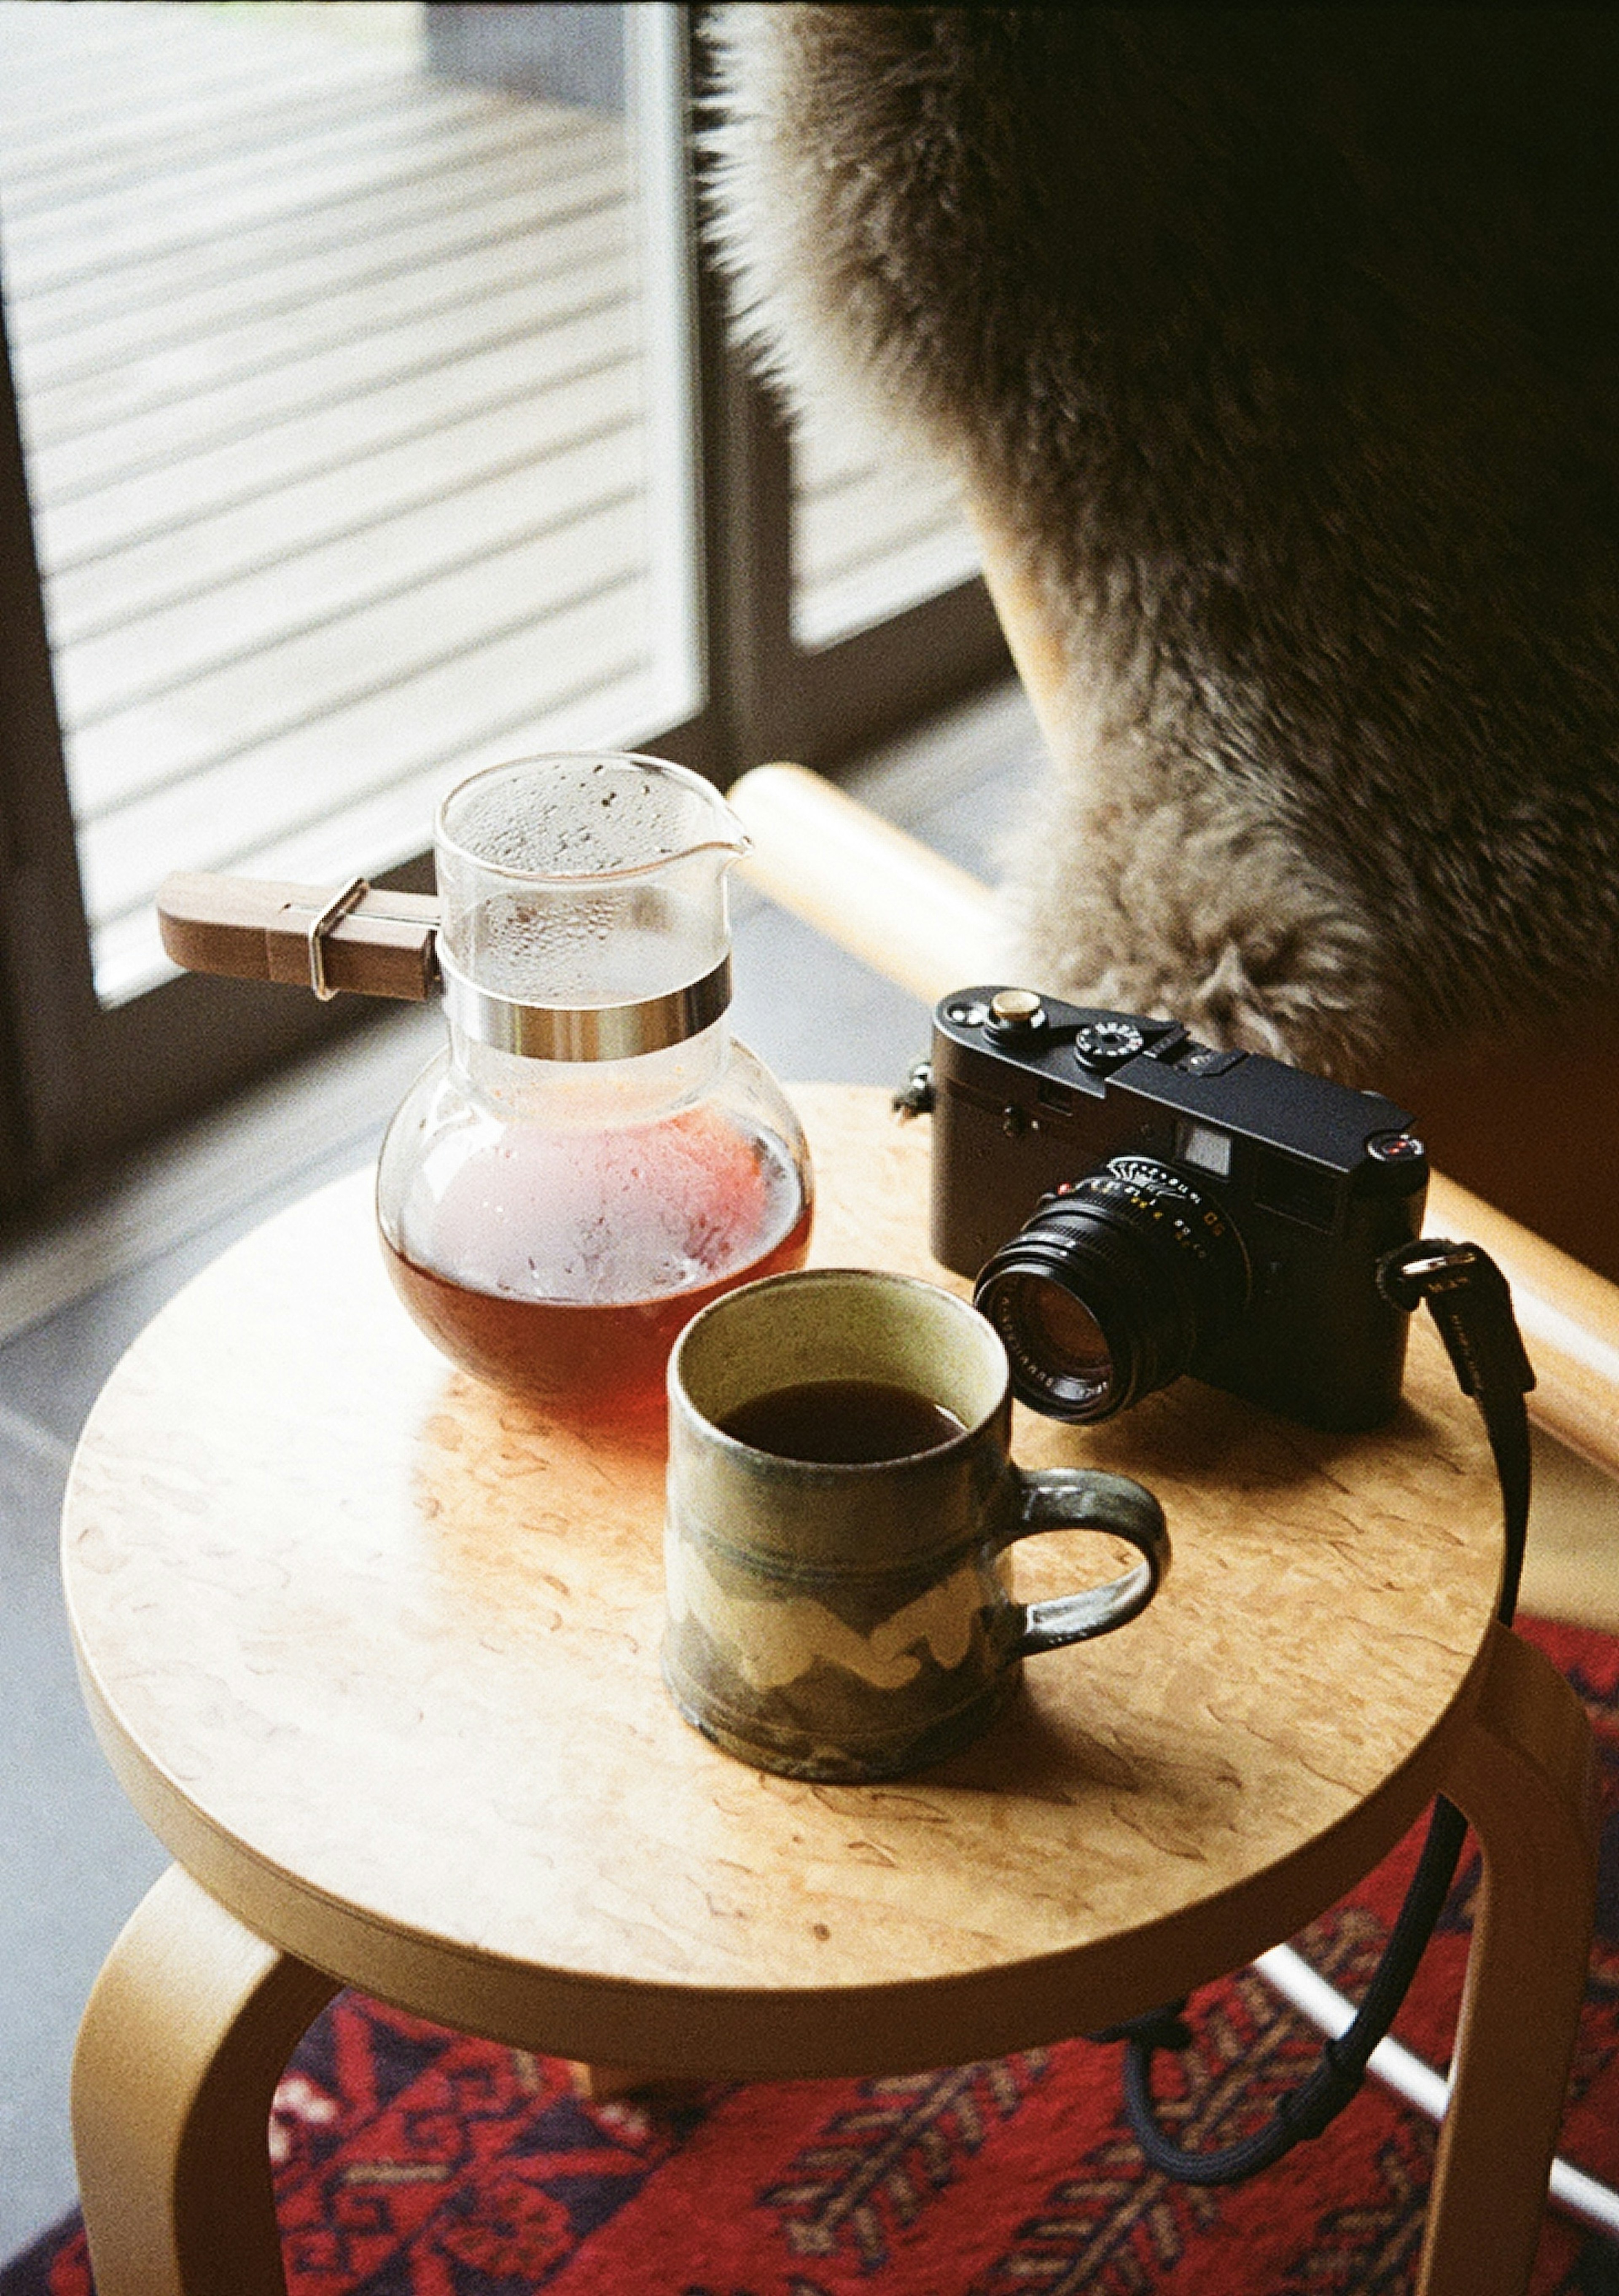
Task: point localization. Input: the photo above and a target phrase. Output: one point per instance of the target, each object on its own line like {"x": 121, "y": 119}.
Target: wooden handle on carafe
{"x": 319, "y": 936}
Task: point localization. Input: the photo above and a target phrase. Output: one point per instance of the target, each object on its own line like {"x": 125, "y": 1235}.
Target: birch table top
{"x": 374, "y": 1650}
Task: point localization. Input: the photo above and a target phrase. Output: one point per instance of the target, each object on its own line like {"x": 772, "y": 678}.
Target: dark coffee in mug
{"x": 842, "y": 1422}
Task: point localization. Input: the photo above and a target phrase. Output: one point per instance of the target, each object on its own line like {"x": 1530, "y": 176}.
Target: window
{"x": 376, "y": 424}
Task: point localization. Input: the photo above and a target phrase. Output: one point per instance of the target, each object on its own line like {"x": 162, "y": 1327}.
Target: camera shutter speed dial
{"x": 1106, "y": 1043}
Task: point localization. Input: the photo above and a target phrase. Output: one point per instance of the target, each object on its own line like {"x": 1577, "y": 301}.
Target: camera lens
{"x": 1112, "y": 1287}
{"x": 1061, "y": 1330}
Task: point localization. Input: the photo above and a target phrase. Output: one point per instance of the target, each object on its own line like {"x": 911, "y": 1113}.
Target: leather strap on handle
{"x": 262, "y": 929}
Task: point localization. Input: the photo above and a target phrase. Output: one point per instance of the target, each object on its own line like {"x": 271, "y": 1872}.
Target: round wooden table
{"x": 374, "y": 1650}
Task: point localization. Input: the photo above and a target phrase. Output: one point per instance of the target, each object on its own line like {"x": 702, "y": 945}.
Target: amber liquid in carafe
{"x": 691, "y": 1201}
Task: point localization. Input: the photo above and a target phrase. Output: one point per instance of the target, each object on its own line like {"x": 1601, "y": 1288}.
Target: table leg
{"x": 188, "y": 2029}
{"x": 1523, "y": 1778}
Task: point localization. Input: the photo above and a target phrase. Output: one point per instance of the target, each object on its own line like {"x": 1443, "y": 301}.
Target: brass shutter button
{"x": 1013, "y": 1012}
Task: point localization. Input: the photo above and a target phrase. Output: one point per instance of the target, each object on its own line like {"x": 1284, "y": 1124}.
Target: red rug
{"x": 412, "y": 2161}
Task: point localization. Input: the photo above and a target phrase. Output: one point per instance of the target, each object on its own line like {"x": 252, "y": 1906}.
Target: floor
{"x": 78, "y": 1860}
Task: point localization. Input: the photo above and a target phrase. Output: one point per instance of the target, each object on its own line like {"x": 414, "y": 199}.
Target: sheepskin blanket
{"x": 1284, "y": 345}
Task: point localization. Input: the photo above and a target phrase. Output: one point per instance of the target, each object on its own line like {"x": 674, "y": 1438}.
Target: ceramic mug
{"x": 843, "y": 1618}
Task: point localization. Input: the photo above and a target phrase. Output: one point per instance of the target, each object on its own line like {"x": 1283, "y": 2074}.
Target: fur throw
{"x": 1286, "y": 341}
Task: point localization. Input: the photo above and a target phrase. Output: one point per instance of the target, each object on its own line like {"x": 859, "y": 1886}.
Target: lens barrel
{"x": 1113, "y": 1288}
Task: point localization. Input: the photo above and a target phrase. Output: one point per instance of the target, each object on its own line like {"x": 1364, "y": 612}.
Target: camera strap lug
{"x": 916, "y": 1095}
{"x": 1471, "y": 1302}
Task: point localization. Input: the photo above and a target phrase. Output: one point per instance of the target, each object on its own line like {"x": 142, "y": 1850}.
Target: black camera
{"x": 1135, "y": 1204}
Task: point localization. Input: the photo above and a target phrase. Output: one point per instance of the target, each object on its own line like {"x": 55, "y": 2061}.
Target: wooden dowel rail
{"x": 900, "y": 907}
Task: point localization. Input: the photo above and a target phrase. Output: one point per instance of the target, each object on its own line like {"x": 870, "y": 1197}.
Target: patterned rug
{"x": 412, "y": 2161}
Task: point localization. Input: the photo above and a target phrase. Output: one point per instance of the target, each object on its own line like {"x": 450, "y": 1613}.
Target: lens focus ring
{"x": 1114, "y": 1287}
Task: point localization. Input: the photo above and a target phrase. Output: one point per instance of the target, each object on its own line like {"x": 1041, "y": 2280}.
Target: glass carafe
{"x": 593, "y": 1157}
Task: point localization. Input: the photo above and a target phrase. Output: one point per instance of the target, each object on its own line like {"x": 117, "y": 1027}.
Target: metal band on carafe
{"x": 583, "y": 1032}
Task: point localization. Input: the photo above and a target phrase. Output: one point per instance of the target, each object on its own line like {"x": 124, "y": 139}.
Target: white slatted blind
{"x": 872, "y": 534}
{"x": 334, "y": 399}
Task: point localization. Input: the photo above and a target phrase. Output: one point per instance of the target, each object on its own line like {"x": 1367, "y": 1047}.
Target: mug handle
{"x": 1078, "y": 1499}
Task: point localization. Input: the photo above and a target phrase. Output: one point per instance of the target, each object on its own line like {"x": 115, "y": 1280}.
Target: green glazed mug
{"x": 839, "y": 1617}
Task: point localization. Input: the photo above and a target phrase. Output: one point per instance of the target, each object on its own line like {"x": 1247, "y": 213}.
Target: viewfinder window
{"x": 1202, "y": 1145}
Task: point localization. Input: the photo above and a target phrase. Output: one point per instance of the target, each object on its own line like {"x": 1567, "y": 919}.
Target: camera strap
{"x": 1470, "y": 1300}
